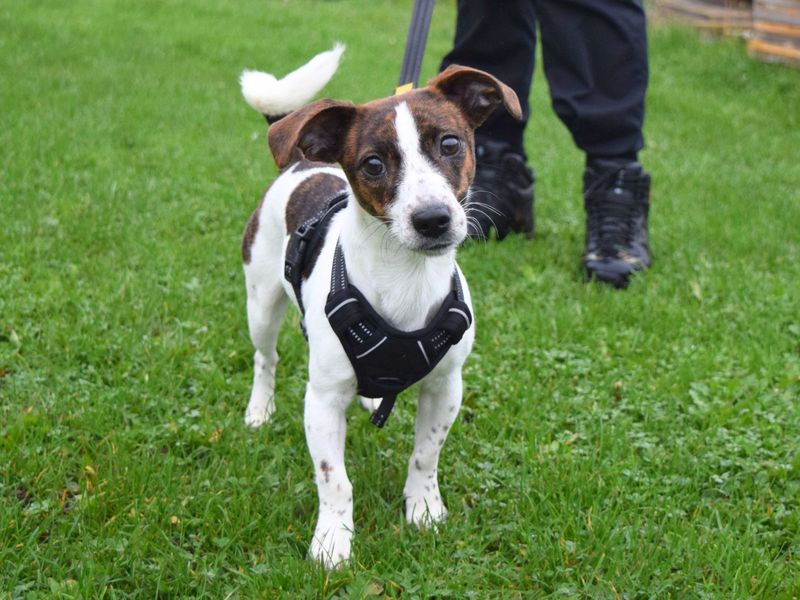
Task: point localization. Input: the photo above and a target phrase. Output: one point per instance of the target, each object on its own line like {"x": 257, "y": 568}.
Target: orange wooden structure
{"x": 775, "y": 35}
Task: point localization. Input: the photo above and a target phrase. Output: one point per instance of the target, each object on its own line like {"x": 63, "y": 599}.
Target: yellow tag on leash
{"x": 402, "y": 89}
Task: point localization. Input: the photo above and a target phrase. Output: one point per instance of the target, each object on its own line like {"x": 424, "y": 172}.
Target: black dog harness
{"x": 386, "y": 360}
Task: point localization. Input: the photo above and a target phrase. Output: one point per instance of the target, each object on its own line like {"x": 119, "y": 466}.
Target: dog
{"x": 403, "y": 165}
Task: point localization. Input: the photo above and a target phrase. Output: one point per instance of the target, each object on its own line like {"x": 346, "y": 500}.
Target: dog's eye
{"x": 373, "y": 166}
{"x": 450, "y": 145}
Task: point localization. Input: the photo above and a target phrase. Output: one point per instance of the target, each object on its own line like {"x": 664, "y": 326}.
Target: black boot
{"x": 501, "y": 195}
{"x": 617, "y": 200}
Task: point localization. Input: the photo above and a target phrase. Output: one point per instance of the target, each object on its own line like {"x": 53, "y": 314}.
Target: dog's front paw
{"x": 258, "y": 412}
{"x": 425, "y": 510}
{"x": 331, "y": 544}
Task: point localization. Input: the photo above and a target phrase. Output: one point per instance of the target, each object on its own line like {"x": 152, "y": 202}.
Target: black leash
{"x": 415, "y": 45}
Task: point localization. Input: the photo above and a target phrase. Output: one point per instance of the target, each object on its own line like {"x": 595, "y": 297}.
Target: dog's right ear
{"x": 317, "y": 130}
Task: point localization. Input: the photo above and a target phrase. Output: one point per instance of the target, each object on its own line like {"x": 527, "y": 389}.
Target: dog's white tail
{"x": 275, "y": 97}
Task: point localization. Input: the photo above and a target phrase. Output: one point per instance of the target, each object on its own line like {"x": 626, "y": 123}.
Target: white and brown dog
{"x": 407, "y": 163}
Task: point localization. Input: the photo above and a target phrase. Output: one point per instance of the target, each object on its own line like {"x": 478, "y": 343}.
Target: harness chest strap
{"x": 386, "y": 360}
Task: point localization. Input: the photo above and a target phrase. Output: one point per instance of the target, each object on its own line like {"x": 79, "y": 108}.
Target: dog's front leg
{"x": 325, "y": 425}
{"x": 439, "y": 401}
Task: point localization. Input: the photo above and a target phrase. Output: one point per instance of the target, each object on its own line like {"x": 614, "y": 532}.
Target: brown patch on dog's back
{"x": 310, "y": 197}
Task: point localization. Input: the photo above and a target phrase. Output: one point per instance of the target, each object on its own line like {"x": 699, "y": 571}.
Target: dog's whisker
{"x": 485, "y": 191}
{"x": 487, "y": 216}
{"x": 486, "y": 206}
{"x": 476, "y": 226}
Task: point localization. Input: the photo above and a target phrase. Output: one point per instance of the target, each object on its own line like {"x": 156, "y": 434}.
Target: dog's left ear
{"x": 476, "y": 92}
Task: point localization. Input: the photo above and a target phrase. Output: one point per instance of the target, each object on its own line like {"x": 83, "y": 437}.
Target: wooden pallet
{"x": 730, "y": 17}
{"x": 776, "y": 31}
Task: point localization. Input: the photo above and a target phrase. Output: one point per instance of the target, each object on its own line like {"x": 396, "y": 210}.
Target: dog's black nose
{"x": 431, "y": 221}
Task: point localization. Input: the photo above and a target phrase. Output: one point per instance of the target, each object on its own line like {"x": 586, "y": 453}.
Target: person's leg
{"x": 499, "y": 38}
{"x": 595, "y": 60}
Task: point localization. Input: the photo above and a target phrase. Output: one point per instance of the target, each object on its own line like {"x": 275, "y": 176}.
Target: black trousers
{"x": 595, "y": 59}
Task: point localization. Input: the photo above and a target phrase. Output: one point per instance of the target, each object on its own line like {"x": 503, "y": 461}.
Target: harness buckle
{"x": 304, "y": 229}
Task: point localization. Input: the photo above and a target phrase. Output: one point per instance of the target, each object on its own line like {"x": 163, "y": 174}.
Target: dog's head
{"x": 410, "y": 158}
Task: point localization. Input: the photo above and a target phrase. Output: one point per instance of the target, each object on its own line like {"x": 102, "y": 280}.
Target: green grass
{"x": 637, "y": 444}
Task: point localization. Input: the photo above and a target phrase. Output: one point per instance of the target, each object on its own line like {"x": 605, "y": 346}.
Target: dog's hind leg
{"x": 266, "y": 305}
{"x": 439, "y": 401}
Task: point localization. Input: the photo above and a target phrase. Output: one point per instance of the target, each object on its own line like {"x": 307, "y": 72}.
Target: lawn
{"x": 636, "y": 444}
